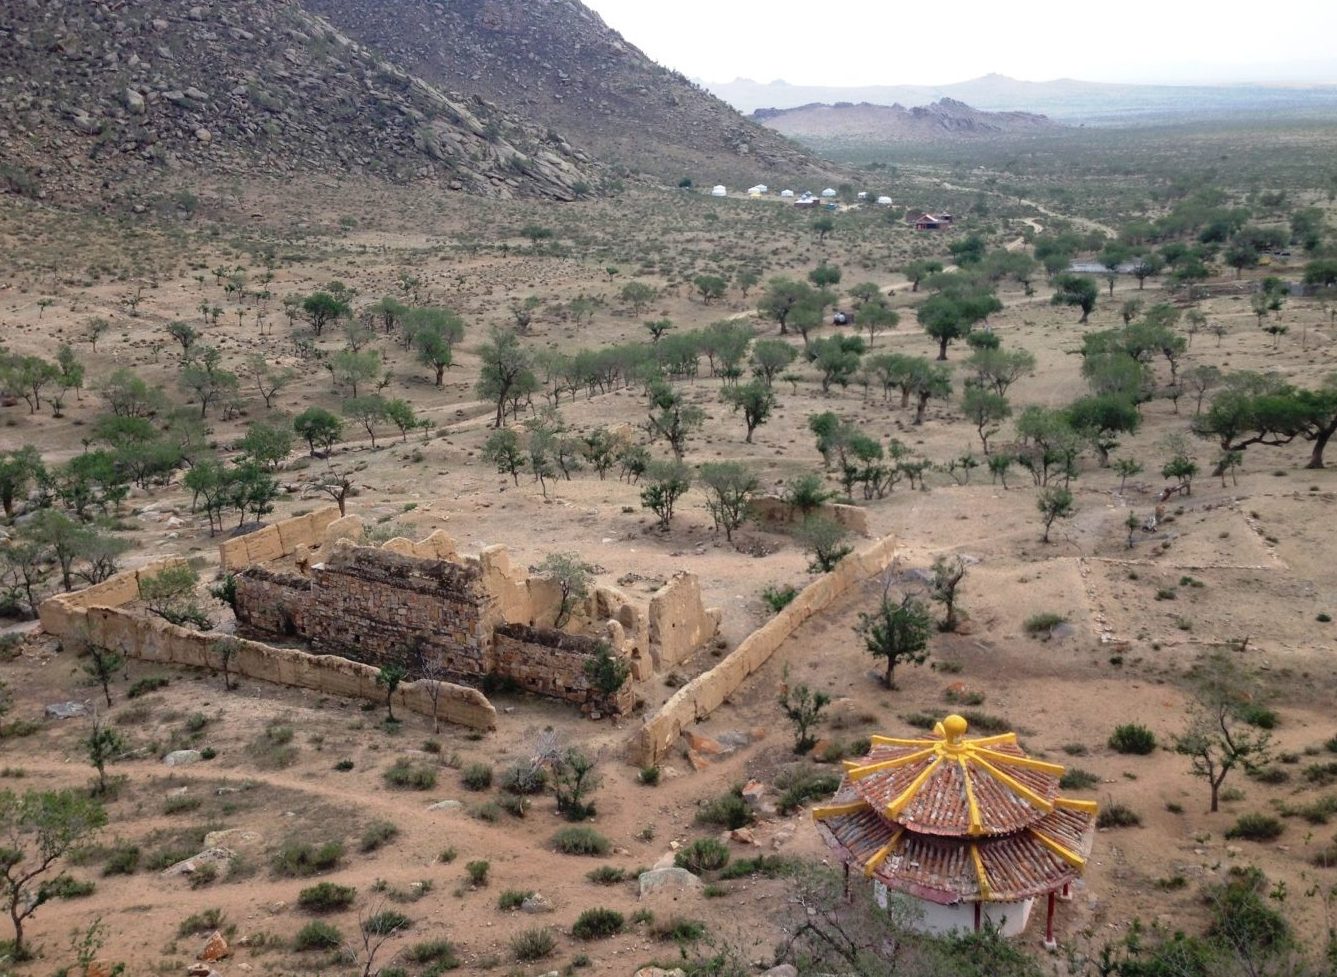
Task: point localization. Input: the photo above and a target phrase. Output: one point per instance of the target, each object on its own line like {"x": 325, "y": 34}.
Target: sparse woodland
{"x": 1094, "y": 416}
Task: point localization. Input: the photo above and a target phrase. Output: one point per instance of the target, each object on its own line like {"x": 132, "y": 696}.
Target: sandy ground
{"x": 1260, "y": 548}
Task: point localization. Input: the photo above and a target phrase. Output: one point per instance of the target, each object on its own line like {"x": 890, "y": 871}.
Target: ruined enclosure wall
{"x": 701, "y": 696}
{"x": 679, "y": 623}
{"x": 94, "y": 616}
{"x": 770, "y": 511}
{"x": 552, "y": 663}
{"x": 63, "y": 614}
{"x": 369, "y": 604}
{"x": 278, "y": 540}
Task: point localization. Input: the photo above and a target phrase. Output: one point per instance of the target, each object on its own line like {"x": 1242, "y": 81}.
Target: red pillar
{"x": 978, "y": 914}
{"x": 1050, "y": 942}
{"x": 847, "y": 881}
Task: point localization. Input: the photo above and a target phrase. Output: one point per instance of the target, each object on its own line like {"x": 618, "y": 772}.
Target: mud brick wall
{"x": 277, "y": 541}
{"x": 369, "y": 604}
{"x": 702, "y": 695}
{"x": 552, "y": 663}
{"x": 94, "y": 615}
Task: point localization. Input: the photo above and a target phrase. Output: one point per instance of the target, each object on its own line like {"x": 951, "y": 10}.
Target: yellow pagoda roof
{"x": 958, "y": 811}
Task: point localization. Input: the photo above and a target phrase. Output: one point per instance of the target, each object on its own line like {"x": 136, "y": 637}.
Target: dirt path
{"x": 1079, "y": 221}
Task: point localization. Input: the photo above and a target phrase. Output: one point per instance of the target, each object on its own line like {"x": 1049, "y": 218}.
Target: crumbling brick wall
{"x": 376, "y": 606}
{"x": 552, "y": 663}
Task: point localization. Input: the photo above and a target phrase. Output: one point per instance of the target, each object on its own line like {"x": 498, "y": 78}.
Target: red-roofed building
{"x": 974, "y": 829}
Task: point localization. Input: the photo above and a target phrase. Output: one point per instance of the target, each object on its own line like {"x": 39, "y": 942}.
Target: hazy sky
{"x": 868, "y": 42}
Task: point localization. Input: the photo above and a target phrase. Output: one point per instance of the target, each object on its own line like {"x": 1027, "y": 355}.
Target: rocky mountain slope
{"x": 97, "y": 93}
{"x": 556, "y": 60}
{"x": 864, "y": 123}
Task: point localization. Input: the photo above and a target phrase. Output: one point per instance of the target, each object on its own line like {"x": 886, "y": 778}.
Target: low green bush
{"x": 318, "y": 935}
{"x": 533, "y": 944}
{"x": 598, "y": 924}
{"x": 702, "y": 855}
{"x": 301, "y": 858}
{"x": 1132, "y": 738}
{"x": 581, "y": 841}
{"x": 326, "y": 897}
{"x": 1256, "y": 827}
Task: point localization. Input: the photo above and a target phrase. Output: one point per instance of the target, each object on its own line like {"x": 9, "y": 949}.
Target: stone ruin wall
{"x": 369, "y": 603}
{"x": 702, "y": 695}
{"x": 552, "y": 664}
{"x": 372, "y": 605}
{"x": 771, "y": 510}
{"x": 96, "y": 615}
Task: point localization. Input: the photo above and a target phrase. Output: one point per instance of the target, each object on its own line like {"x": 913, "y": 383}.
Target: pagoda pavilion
{"x": 973, "y": 829}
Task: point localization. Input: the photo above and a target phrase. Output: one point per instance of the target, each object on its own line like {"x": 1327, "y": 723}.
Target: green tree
{"x": 102, "y": 666}
{"x": 322, "y": 309}
{"x": 999, "y": 369}
{"x": 1146, "y": 265}
{"x": 203, "y": 377}
{"x": 770, "y": 358}
{"x": 782, "y": 297}
{"x": 710, "y": 287}
{"x": 103, "y": 745}
{"x": 824, "y": 275}
{"x": 1216, "y": 740}
{"x": 986, "y": 410}
{"x": 367, "y": 411}
{"x": 929, "y": 380}
{"x": 948, "y": 572}
{"x": 436, "y": 343}
{"x": 572, "y": 575}
{"x": 267, "y": 445}
{"x": 401, "y": 414}
{"x": 756, "y": 401}
{"x": 951, "y": 315}
{"x": 837, "y": 358}
{"x": 318, "y": 428}
{"x": 672, "y": 417}
{"x": 825, "y": 541}
{"x": 823, "y": 226}
{"x": 388, "y": 677}
{"x": 503, "y": 449}
{"x": 666, "y": 483}
{"x": 1101, "y": 418}
{"x": 638, "y": 295}
{"x": 1054, "y": 503}
{"x": 729, "y": 488}
{"x": 37, "y": 830}
{"x": 351, "y": 369}
{"x": 19, "y": 469}
{"x": 803, "y": 707}
{"x": 898, "y": 630}
{"x": 916, "y": 271}
{"x": 1078, "y": 290}
{"x": 506, "y": 366}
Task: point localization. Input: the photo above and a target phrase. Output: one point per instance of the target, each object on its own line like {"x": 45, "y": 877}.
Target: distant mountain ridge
{"x": 1063, "y": 100}
{"x": 846, "y": 122}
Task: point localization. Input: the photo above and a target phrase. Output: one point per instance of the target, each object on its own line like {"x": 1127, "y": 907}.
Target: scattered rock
{"x": 191, "y": 865}
{"x": 215, "y": 949}
{"x": 784, "y": 970}
{"x": 204, "y": 135}
{"x": 182, "y": 758}
{"x": 445, "y": 806}
{"x": 661, "y": 972}
{"x": 667, "y": 880}
{"x": 234, "y": 838}
{"x": 704, "y": 744}
{"x": 134, "y": 102}
{"x": 743, "y": 836}
{"x": 66, "y": 710}
{"x": 697, "y": 761}
{"x": 535, "y": 904}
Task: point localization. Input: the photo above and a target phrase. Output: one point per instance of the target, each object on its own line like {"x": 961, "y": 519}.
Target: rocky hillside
{"x": 97, "y": 93}
{"x": 556, "y": 60}
{"x": 848, "y": 123}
